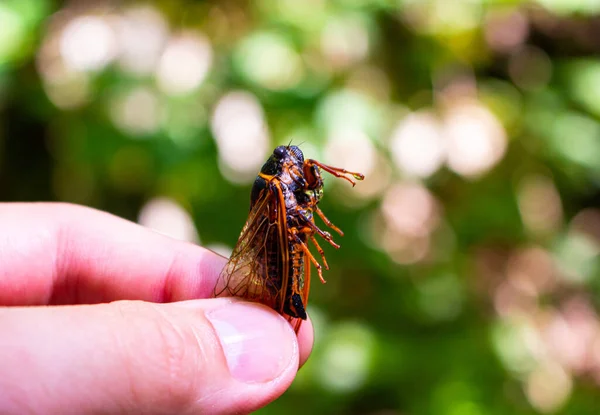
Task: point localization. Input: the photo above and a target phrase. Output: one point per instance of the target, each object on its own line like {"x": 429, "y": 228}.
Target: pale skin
{"x": 122, "y": 322}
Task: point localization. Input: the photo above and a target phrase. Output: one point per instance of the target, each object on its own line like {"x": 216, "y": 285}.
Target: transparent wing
{"x": 258, "y": 267}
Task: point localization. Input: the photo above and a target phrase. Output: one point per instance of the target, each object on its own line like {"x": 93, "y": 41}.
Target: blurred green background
{"x": 468, "y": 280}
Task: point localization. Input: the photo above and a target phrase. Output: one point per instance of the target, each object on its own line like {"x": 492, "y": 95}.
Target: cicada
{"x": 270, "y": 263}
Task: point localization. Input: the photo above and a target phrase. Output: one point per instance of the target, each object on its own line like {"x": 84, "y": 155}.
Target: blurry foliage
{"x": 468, "y": 280}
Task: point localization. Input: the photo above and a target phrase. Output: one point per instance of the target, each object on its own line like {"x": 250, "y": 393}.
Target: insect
{"x": 269, "y": 262}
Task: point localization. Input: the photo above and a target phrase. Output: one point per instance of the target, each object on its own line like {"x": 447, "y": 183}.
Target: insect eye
{"x": 279, "y": 152}
{"x": 297, "y": 152}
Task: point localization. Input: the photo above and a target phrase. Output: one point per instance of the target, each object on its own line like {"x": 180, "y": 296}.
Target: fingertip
{"x": 306, "y": 337}
{"x": 258, "y": 344}
{"x": 259, "y": 348}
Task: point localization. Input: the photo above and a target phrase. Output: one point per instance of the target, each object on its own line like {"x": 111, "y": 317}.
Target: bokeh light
{"x": 344, "y": 41}
{"x": 351, "y": 148}
{"x": 87, "y": 43}
{"x": 530, "y": 68}
{"x": 539, "y": 204}
{"x": 168, "y": 217}
{"x": 409, "y": 214}
{"x": 346, "y": 357}
{"x": 241, "y": 135}
{"x": 137, "y": 23}
{"x": 418, "y": 145}
{"x": 476, "y": 140}
{"x": 137, "y": 111}
{"x": 506, "y": 30}
{"x": 269, "y": 60}
{"x": 548, "y": 387}
{"x": 184, "y": 64}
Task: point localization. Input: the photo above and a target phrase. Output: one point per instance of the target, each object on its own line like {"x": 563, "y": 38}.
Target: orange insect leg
{"x": 324, "y": 235}
{"x": 327, "y": 221}
{"x": 337, "y": 172}
{"x": 320, "y": 250}
{"x": 309, "y": 254}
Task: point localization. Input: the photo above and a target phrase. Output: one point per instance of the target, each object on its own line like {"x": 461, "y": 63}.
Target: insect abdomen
{"x": 294, "y": 305}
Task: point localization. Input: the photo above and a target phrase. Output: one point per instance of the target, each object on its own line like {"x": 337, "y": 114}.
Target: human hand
{"x": 88, "y": 348}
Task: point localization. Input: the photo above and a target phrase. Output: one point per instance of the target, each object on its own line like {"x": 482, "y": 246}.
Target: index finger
{"x": 56, "y": 253}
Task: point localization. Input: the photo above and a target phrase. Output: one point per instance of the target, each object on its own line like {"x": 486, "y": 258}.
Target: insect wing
{"x": 258, "y": 267}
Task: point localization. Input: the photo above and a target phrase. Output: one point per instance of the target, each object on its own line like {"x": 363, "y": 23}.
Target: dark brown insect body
{"x": 268, "y": 263}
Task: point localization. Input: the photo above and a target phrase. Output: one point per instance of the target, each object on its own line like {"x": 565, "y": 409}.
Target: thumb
{"x": 203, "y": 356}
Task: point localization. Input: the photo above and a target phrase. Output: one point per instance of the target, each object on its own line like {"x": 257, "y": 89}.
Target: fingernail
{"x": 258, "y": 345}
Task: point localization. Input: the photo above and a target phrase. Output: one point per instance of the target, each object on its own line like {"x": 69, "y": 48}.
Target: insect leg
{"x": 294, "y": 233}
{"x": 337, "y": 172}
{"x": 327, "y": 221}
{"x": 323, "y": 234}
{"x": 297, "y": 177}
{"x": 320, "y": 250}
